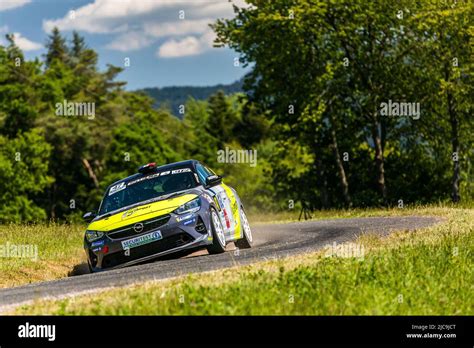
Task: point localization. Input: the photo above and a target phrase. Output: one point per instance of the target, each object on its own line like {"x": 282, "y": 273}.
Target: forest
{"x": 349, "y": 103}
{"x": 174, "y": 96}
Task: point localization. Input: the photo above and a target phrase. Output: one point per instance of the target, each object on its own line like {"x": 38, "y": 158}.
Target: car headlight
{"x": 93, "y": 235}
{"x": 190, "y": 207}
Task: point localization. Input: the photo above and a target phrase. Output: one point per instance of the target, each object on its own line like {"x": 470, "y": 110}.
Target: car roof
{"x": 187, "y": 163}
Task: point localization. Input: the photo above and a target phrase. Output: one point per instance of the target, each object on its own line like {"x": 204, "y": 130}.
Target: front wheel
{"x": 89, "y": 267}
{"x": 218, "y": 237}
{"x": 247, "y": 240}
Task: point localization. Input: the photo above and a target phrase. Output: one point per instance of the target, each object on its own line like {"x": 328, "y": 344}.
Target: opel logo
{"x": 138, "y": 227}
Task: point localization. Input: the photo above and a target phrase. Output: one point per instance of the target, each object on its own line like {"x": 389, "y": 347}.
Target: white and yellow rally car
{"x": 164, "y": 210}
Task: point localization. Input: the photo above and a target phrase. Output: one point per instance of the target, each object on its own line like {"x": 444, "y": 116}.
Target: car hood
{"x": 140, "y": 213}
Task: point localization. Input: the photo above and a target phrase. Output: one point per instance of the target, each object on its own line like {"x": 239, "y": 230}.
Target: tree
{"x": 78, "y": 45}
{"x": 135, "y": 143}
{"x": 23, "y": 176}
{"x": 19, "y": 100}
{"x": 444, "y": 37}
{"x": 323, "y": 69}
{"x": 222, "y": 118}
{"x": 80, "y": 142}
{"x": 57, "y": 48}
{"x": 288, "y": 59}
{"x": 253, "y": 127}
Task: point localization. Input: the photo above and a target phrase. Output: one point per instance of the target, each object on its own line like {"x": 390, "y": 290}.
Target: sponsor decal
{"x": 148, "y": 177}
{"x": 98, "y": 243}
{"x": 96, "y": 250}
{"x": 235, "y": 209}
{"x": 117, "y": 188}
{"x": 221, "y": 198}
{"x": 217, "y": 203}
{"x": 190, "y": 221}
{"x": 133, "y": 211}
{"x": 142, "y": 240}
{"x": 177, "y": 171}
{"x": 37, "y": 331}
{"x": 130, "y": 183}
{"x": 227, "y": 220}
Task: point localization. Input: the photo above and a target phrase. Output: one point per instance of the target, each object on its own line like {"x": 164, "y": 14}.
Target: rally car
{"x": 164, "y": 210}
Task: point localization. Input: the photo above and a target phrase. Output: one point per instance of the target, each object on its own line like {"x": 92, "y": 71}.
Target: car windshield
{"x": 147, "y": 187}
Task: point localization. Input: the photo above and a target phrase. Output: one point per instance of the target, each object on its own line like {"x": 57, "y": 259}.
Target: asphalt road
{"x": 270, "y": 241}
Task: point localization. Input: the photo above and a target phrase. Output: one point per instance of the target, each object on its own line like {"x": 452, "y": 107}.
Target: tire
{"x": 218, "y": 237}
{"x": 247, "y": 239}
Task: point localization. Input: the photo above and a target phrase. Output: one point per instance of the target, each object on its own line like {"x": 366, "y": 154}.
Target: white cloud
{"x": 26, "y": 44}
{"x": 107, "y": 16}
{"x": 139, "y": 24}
{"x": 183, "y": 27}
{"x": 131, "y": 41}
{"x": 189, "y": 46}
{"x": 11, "y": 4}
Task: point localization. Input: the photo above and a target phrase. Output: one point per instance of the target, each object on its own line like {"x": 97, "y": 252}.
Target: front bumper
{"x": 179, "y": 233}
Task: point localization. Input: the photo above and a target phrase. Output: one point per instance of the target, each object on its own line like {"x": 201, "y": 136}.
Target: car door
{"x": 226, "y": 202}
{"x": 232, "y": 212}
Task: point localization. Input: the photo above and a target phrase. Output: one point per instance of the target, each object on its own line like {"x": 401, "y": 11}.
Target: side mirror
{"x": 89, "y": 216}
{"x": 213, "y": 180}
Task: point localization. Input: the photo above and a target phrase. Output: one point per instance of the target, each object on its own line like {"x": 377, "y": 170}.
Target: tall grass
{"x": 59, "y": 252}
{"x": 426, "y": 272}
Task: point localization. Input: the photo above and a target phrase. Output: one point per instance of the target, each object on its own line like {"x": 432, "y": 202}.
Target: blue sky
{"x": 168, "y": 42}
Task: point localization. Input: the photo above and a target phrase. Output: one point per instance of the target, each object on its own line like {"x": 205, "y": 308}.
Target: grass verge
{"x": 58, "y": 250}
{"x": 426, "y": 272}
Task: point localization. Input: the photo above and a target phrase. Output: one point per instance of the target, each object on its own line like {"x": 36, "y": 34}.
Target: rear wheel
{"x": 246, "y": 241}
{"x": 218, "y": 237}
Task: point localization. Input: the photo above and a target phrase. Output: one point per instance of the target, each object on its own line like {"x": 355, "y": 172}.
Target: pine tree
{"x": 19, "y": 102}
{"x": 78, "y": 45}
{"x": 57, "y": 48}
{"x": 221, "y": 118}
{"x": 253, "y": 127}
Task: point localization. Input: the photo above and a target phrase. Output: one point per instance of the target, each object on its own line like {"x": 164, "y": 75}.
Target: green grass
{"x": 293, "y": 214}
{"x": 426, "y": 272}
{"x": 59, "y": 250}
